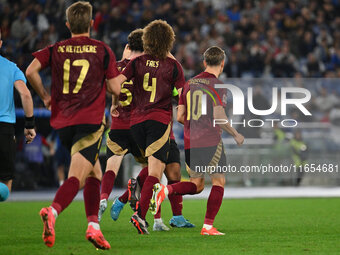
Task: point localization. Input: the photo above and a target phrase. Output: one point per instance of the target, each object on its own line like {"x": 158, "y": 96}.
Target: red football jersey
{"x": 153, "y": 81}
{"x": 125, "y": 98}
{"x": 199, "y": 130}
{"x": 79, "y": 68}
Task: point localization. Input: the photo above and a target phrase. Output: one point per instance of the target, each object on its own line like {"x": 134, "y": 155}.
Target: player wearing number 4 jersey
{"x": 202, "y": 140}
{"x": 79, "y": 66}
{"x": 155, "y": 74}
{"x": 121, "y": 142}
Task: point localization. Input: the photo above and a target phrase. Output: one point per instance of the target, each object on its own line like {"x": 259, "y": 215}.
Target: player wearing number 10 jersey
{"x": 202, "y": 140}
{"x": 80, "y": 66}
{"x": 155, "y": 74}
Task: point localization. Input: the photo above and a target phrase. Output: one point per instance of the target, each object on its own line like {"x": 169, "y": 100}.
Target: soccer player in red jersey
{"x": 120, "y": 141}
{"x": 202, "y": 140}
{"x": 155, "y": 74}
{"x": 173, "y": 175}
{"x": 80, "y": 66}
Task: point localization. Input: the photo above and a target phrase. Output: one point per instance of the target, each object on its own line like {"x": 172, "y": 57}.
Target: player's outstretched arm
{"x": 33, "y": 76}
{"x": 114, "y": 84}
{"x": 181, "y": 113}
{"x": 219, "y": 113}
{"x": 27, "y": 104}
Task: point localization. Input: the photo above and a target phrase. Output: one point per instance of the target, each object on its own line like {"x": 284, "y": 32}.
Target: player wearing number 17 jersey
{"x": 155, "y": 74}
{"x": 80, "y": 66}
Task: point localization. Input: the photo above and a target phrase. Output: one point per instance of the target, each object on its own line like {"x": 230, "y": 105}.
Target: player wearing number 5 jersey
{"x": 120, "y": 141}
{"x": 80, "y": 66}
{"x": 155, "y": 74}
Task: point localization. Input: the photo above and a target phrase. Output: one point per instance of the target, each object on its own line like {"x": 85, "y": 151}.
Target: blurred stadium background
{"x": 263, "y": 40}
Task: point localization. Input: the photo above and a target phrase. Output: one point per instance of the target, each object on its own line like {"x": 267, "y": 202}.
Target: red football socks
{"x": 107, "y": 184}
{"x": 182, "y": 188}
{"x": 176, "y": 201}
{"x": 158, "y": 214}
{"x": 146, "y": 195}
{"x": 141, "y": 179}
{"x": 92, "y": 198}
{"x": 65, "y": 194}
{"x": 124, "y": 198}
{"x": 214, "y": 204}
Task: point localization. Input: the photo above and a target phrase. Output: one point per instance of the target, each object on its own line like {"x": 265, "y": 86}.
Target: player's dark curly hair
{"x": 135, "y": 40}
{"x": 158, "y": 38}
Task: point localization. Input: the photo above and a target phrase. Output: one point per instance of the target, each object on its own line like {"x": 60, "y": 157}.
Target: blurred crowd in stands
{"x": 262, "y": 38}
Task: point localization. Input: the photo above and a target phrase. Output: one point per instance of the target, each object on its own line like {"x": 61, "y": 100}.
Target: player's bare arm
{"x": 179, "y": 92}
{"x": 219, "y": 113}
{"x": 27, "y": 104}
{"x": 115, "y": 103}
{"x": 114, "y": 84}
{"x": 33, "y": 76}
{"x": 181, "y": 113}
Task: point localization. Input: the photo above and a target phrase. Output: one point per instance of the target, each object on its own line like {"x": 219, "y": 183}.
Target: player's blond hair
{"x": 79, "y": 16}
{"x": 214, "y": 56}
{"x": 158, "y": 38}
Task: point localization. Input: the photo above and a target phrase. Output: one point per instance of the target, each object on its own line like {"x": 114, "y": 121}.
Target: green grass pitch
{"x": 252, "y": 226}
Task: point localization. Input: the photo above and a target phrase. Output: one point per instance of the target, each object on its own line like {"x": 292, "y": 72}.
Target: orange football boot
{"x": 96, "y": 238}
{"x": 159, "y": 193}
{"x": 212, "y": 232}
{"x": 48, "y": 219}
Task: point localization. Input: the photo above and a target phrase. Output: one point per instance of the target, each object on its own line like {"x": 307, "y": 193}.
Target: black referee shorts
{"x": 7, "y": 151}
